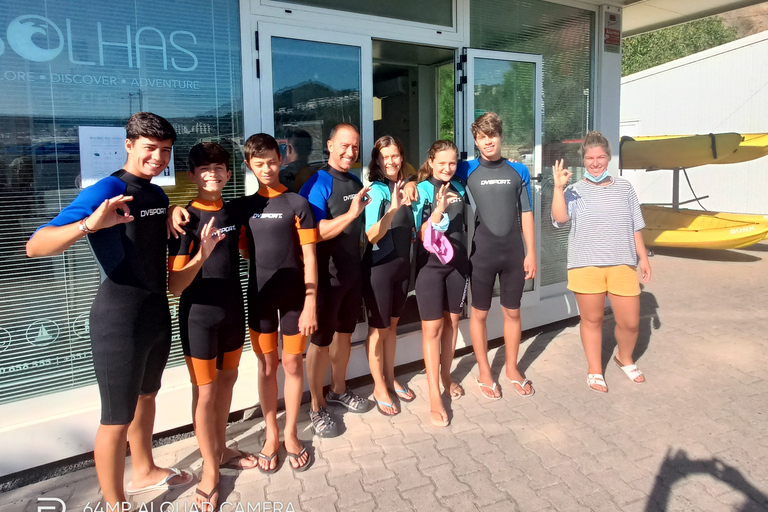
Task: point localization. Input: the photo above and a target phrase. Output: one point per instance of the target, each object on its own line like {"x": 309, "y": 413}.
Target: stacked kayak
{"x": 666, "y": 227}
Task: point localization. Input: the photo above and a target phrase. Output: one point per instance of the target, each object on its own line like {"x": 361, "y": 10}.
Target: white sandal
{"x": 492, "y": 388}
{"x": 596, "y": 379}
{"x": 629, "y": 370}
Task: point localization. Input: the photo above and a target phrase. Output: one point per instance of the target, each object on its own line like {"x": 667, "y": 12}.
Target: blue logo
{"x": 27, "y": 31}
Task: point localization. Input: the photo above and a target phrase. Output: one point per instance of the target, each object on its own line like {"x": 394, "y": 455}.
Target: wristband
{"x": 442, "y": 226}
{"x": 84, "y": 228}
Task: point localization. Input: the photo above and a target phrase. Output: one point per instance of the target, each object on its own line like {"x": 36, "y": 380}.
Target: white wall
{"x": 719, "y": 90}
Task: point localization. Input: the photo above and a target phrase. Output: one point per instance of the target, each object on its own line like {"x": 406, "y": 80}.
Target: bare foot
{"x": 237, "y": 459}
{"x": 404, "y": 392}
{"x": 489, "y": 390}
{"x": 455, "y": 391}
{"x": 515, "y": 377}
{"x": 266, "y": 461}
{"x": 158, "y": 477}
{"x": 439, "y": 418}
{"x": 383, "y": 404}
{"x": 294, "y": 446}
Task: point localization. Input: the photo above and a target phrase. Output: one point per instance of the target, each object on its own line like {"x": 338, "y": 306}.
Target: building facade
{"x": 72, "y": 72}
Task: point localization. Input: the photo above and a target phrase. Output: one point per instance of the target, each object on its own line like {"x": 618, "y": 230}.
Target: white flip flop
{"x": 629, "y": 370}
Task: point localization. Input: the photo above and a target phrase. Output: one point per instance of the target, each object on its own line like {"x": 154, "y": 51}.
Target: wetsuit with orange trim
{"x": 277, "y": 224}
{"x": 211, "y": 310}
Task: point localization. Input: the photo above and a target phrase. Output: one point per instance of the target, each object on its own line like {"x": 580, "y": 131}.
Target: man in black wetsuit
{"x": 501, "y": 191}
{"x": 338, "y": 199}
{"x": 124, "y": 217}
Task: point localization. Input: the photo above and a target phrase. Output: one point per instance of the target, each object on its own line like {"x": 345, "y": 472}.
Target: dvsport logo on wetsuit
{"x": 495, "y": 182}
{"x": 227, "y": 229}
{"x": 349, "y": 197}
{"x": 267, "y": 215}
{"x": 153, "y": 211}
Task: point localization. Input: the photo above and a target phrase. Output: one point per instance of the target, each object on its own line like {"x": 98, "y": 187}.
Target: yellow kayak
{"x": 666, "y": 227}
{"x": 676, "y": 152}
{"x": 741, "y": 217}
{"x": 751, "y": 147}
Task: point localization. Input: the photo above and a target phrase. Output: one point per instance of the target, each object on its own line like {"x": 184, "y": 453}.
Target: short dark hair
{"x": 374, "y": 171}
{"x": 339, "y": 126}
{"x": 150, "y": 126}
{"x": 206, "y": 153}
{"x": 488, "y": 124}
{"x": 301, "y": 141}
{"x": 259, "y": 144}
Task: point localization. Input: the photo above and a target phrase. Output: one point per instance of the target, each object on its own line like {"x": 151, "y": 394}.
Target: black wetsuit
{"x": 387, "y": 263}
{"x": 277, "y": 223}
{"x": 211, "y": 311}
{"x": 130, "y": 324}
{"x": 501, "y": 191}
{"x": 339, "y": 265}
{"x": 442, "y": 287}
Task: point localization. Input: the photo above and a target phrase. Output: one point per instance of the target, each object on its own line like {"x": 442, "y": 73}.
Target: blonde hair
{"x": 595, "y": 140}
{"x": 425, "y": 171}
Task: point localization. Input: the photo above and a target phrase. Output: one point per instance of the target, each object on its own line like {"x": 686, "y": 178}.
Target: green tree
{"x": 645, "y": 51}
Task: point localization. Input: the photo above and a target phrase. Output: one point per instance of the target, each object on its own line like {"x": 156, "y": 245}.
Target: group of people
{"x": 314, "y": 257}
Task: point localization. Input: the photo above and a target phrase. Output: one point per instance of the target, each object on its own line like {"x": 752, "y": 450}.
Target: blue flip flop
{"x": 379, "y": 403}
{"x": 405, "y": 391}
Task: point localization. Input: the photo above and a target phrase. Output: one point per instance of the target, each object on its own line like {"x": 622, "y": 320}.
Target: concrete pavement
{"x": 694, "y": 437}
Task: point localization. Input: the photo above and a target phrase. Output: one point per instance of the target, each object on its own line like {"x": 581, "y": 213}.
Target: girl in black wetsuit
{"x": 387, "y": 268}
{"x": 441, "y": 286}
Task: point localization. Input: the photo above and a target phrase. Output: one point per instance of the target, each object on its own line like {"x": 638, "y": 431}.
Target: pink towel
{"x": 437, "y": 243}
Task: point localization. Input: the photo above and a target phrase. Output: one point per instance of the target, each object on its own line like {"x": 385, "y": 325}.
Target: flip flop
{"x": 522, "y": 386}
{"x": 492, "y": 388}
{"x": 231, "y": 464}
{"x": 297, "y": 456}
{"x": 438, "y": 423}
{"x": 629, "y": 370}
{"x": 459, "y": 391}
{"x": 597, "y": 380}
{"x": 162, "y": 484}
{"x": 207, "y": 497}
{"x": 407, "y": 392}
{"x": 269, "y": 460}
{"x": 379, "y": 403}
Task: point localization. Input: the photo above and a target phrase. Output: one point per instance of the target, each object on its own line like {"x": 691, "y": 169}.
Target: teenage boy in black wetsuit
{"x": 338, "y": 199}
{"x": 501, "y": 191}
{"x": 204, "y": 269}
{"x": 124, "y": 216}
{"x": 282, "y": 288}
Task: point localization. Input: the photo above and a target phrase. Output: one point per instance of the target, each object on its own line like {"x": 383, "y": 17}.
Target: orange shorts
{"x": 618, "y": 280}
{"x": 264, "y": 343}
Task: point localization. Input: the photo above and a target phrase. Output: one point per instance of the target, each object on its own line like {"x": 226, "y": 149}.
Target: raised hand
{"x": 178, "y": 218}
{"x": 357, "y": 206}
{"x": 209, "y": 237}
{"x": 397, "y": 196}
{"x": 560, "y": 174}
{"x": 410, "y": 193}
{"x": 107, "y": 214}
{"x": 444, "y": 197}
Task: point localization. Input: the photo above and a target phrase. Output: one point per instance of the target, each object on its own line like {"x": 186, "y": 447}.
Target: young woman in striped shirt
{"x": 604, "y": 250}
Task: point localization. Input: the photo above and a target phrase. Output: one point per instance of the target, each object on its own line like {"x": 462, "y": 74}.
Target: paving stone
{"x": 525, "y": 498}
{"x": 423, "y": 498}
{"x": 484, "y": 488}
{"x": 445, "y": 481}
{"x": 408, "y": 474}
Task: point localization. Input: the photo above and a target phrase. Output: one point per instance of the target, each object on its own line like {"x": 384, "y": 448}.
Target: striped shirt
{"x": 604, "y": 220}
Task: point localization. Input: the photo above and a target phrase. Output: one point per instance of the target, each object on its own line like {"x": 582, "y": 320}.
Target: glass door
{"x": 510, "y": 84}
{"x": 309, "y": 82}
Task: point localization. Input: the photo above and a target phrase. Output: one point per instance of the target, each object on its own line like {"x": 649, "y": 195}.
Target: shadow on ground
{"x": 677, "y": 466}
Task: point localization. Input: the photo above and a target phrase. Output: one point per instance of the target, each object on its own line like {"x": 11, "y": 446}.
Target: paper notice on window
{"x": 102, "y": 152}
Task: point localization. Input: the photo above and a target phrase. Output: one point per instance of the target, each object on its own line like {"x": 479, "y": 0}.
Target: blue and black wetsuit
{"x": 130, "y": 324}
{"x": 339, "y": 291}
{"x": 501, "y": 191}
{"x": 211, "y": 311}
{"x": 387, "y": 263}
{"x": 442, "y": 287}
{"x": 277, "y": 223}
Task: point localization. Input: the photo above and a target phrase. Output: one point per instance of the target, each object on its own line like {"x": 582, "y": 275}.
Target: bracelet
{"x": 84, "y": 228}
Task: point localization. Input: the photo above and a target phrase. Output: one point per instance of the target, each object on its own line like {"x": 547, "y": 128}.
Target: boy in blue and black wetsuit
{"x": 203, "y": 265}
{"x": 124, "y": 217}
{"x": 337, "y": 199}
{"x": 501, "y": 191}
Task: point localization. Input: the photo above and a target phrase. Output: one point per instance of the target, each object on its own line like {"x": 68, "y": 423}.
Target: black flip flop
{"x": 297, "y": 456}
{"x": 230, "y": 464}
{"x": 406, "y": 390}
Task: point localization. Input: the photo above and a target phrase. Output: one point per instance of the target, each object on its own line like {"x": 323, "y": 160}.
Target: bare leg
{"x": 591, "y": 312}
{"x": 431, "y": 332}
{"x": 268, "y": 400}
{"x": 340, "y": 351}
{"x": 376, "y": 361}
{"x": 226, "y": 381}
{"x": 204, "y": 419}
{"x": 109, "y": 455}
{"x": 293, "y": 366}
{"x": 447, "y": 349}
{"x": 512, "y": 334}
{"x": 626, "y": 310}
{"x": 317, "y": 365}
{"x": 479, "y": 334}
{"x": 144, "y": 471}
